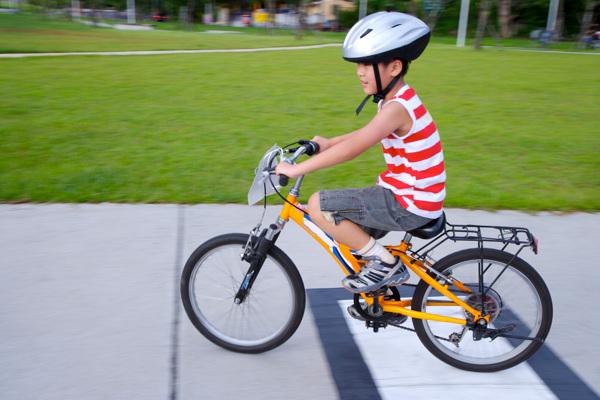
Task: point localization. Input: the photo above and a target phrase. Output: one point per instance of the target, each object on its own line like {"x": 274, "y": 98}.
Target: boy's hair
{"x": 405, "y": 64}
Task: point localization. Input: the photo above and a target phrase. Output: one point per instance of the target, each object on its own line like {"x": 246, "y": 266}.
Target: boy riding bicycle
{"x": 411, "y": 191}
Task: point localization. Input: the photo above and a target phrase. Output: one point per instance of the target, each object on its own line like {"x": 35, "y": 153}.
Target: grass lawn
{"x": 25, "y": 33}
{"x": 518, "y": 128}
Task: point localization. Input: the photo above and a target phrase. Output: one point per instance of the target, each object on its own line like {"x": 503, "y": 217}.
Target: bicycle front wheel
{"x": 271, "y": 311}
{"x": 512, "y": 294}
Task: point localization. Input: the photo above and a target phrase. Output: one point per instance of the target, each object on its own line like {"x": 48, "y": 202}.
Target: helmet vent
{"x": 366, "y": 33}
{"x": 396, "y": 25}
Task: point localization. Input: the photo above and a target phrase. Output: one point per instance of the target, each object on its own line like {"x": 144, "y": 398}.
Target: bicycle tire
{"x": 519, "y": 296}
{"x": 271, "y": 311}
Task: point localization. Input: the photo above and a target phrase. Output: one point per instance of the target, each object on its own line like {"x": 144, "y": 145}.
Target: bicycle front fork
{"x": 255, "y": 253}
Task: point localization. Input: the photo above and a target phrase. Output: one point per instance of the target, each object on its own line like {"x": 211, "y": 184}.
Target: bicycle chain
{"x": 411, "y": 329}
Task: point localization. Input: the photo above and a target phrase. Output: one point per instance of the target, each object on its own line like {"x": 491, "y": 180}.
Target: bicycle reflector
{"x": 535, "y": 247}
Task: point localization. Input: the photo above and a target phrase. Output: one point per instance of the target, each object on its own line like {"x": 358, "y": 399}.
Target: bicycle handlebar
{"x": 307, "y": 147}
{"x": 312, "y": 148}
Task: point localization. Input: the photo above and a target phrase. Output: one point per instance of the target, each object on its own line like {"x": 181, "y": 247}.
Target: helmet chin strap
{"x": 380, "y": 95}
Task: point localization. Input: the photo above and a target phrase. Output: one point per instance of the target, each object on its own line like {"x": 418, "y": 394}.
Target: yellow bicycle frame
{"x": 349, "y": 264}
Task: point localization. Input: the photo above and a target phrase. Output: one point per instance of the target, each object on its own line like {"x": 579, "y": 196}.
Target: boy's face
{"x": 366, "y": 74}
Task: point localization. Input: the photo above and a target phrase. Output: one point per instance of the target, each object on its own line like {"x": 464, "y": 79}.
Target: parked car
{"x": 330, "y": 26}
{"x": 160, "y": 16}
{"x": 246, "y": 19}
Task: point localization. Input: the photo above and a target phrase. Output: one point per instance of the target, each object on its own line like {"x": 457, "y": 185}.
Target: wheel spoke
{"x": 509, "y": 291}
{"x": 271, "y": 311}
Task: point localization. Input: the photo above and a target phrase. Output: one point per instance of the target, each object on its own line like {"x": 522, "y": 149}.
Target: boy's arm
{"x": 392, "y": 118}
{"x": 325, "y": 143}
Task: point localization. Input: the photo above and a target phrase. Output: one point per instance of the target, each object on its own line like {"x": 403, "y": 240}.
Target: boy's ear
{"x": 397, "y": 67}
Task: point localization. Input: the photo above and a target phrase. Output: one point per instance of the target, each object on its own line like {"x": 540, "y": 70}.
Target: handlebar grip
{"x": 283, "y": 180}
{"x": 312, "y": 148}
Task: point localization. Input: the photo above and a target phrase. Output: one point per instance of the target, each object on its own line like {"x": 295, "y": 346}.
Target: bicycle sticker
{"x": 333, "y": 246}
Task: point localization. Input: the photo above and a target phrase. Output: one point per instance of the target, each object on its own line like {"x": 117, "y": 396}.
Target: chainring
{"x": 361, "y": 306}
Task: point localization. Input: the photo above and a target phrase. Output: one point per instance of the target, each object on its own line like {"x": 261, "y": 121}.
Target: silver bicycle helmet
{"x": 381, "y": 36}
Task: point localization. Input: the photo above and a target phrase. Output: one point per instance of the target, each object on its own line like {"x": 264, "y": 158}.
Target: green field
{"x": 518, "y": 128}
{"x": 23, "y": 33}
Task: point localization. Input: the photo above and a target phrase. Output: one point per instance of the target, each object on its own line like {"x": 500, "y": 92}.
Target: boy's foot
{"x": 376, "y": 274}
{"x": 395, "y": 319}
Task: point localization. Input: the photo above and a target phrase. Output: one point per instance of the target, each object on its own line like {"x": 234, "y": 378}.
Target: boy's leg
{"x": 346, "y": 232}
{"x": 382, "y": 268}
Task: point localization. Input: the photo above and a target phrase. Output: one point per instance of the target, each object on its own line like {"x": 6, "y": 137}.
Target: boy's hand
{"x": 323, "y": 143}
{"x": 286, "y": 169}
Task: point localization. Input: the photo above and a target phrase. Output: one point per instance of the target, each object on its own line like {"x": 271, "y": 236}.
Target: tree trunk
{"x": 191, "y": 10}
{"x": 560, "y": 20}
{"x": 505, "y": 17}
{"x": 433, "y": 15}
{"x": 413, "y": 7}
{"x": 484, "y": 12}
{"x": 301, "y": 19}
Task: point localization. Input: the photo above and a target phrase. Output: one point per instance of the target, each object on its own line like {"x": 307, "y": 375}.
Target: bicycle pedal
{"x": 376, "y": 325}
{"x": 377, "y": 293}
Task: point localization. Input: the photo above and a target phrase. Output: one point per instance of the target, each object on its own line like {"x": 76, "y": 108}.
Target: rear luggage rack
{"x": 504, "y": 235}
{"x": 486, "y": 233}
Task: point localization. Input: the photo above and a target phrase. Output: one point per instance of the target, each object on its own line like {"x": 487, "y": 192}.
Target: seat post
{"x": 407, "y": 238}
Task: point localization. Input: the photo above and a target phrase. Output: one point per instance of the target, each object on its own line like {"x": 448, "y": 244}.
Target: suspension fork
{"x": 256, "y": 253}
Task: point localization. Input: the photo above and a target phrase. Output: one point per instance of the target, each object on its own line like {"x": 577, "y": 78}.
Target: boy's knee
{"x": 314, "y": 208}
{"x": 314, "y": 204}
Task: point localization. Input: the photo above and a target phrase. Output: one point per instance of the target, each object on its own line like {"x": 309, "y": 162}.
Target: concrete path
{"x": 90, "y": 309}
{"x": 159, "y": 52}
{"x": 162, "y": 52}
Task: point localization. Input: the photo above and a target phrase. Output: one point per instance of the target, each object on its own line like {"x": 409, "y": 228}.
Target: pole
{"x": 552, "y": 12}
{"x": 131, "y": 11}
{"x": 462, "y": 23}
{"x": 75, "y": 10}
{"x": 362, "y": 11}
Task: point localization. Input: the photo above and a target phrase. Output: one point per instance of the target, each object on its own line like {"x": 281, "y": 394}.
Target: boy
{"x": 410, "y": 192}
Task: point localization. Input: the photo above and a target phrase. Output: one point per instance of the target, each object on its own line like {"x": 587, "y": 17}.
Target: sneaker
{"x": 395, "y": 319}
{"x": 376, "y": 274}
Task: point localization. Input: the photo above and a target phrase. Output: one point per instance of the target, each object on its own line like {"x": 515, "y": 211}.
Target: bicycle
{"x": 481, "y": 309}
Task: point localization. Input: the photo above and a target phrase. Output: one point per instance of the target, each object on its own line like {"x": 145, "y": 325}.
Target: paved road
{"x": 90, "y": 310}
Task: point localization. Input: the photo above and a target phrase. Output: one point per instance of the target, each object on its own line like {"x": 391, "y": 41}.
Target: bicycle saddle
{"x": 430, "y": 229}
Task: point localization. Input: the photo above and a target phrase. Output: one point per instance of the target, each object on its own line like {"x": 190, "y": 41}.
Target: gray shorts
{"x": 374, "y": 208}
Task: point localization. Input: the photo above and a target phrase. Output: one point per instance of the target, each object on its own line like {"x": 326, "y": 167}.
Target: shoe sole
{"x": 399, "y": 282}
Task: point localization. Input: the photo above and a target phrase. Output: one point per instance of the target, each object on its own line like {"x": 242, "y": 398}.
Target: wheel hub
{"x": 491, "y": 305}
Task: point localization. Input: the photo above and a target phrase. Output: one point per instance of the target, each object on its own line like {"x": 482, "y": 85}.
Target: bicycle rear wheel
{"x": 514, "y": 293}
{"x": 270, "y": 313}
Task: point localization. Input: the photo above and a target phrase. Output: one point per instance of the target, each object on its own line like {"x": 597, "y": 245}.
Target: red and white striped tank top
{"x": 415, "y": 161}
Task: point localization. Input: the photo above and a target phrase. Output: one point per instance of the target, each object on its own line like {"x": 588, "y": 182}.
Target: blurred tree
{"x": 586, "y": 21}
{"x": 511, "y": 17}
{"x": 505, "y": 17}
{"x": 484, "y": 23}
{"x": 431, "y": 12}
